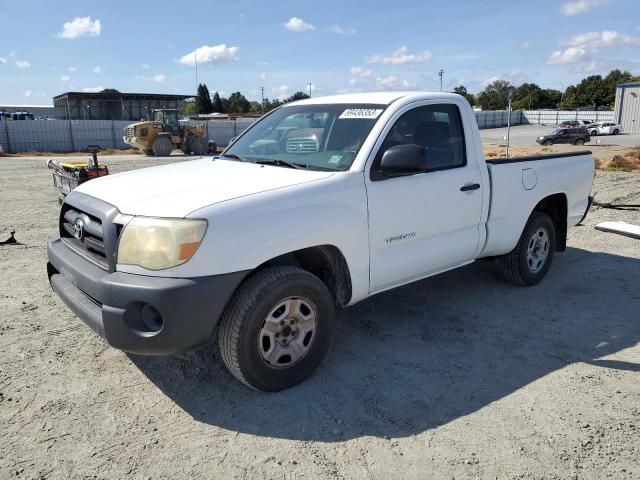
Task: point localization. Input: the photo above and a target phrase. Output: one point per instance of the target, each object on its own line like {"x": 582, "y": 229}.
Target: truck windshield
{"x": 318, "y": 137}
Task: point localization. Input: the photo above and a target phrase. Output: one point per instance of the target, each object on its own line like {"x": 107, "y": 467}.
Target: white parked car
{"x": 605, "y": 128}
{"x": 322, "y": 203}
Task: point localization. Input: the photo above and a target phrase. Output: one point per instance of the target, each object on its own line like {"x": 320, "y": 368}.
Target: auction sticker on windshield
{"x": 366, "y": 113}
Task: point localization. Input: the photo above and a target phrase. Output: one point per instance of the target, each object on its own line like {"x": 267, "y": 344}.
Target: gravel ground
{"x": 457, "y": 376}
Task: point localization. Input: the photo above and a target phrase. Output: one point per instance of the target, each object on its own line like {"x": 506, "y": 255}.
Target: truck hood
{"x": 178, "y": 189}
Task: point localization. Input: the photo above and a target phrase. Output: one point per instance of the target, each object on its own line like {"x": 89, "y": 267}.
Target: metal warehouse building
{"x": 627, "y": 109}
{"x": 113, "y": 105}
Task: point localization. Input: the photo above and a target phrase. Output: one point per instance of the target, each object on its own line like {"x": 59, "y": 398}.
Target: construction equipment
{"x": 68, "y": 175}
{"x": 160, "y": 136}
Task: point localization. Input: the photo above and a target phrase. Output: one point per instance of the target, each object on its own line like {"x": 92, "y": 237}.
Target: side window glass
{"x": 437, "y": 128}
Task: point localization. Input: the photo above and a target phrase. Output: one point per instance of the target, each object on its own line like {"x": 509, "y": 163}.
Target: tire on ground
{"x": 516, "y": 266}
{"x": 198, "y": 145}
{"x": 162, "y": 146}
{"x": 246, "y": 314}
{"x": 186, "y": 146}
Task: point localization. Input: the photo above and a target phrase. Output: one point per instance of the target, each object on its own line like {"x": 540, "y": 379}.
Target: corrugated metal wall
{"x": 554, "y": 117}
{"x": 628, "y": 108}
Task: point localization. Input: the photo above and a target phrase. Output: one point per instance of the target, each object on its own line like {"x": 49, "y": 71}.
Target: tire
{"x": 522, "y": 268}
{"x": 579, "y": 142}
{"x": 185, "y": 146}
{"x": 271, "y": 305}
{"x": 616, "y": 131}
{"x": 547, "y": 143}
{"x": 198, "y": 145}
{"x": 593, "y": 133}
{"x": 162, "y": 146}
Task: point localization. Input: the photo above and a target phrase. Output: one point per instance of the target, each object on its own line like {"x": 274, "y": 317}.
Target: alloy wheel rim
{"x": 287, "y": 332}
{"x": 538, "y": 250}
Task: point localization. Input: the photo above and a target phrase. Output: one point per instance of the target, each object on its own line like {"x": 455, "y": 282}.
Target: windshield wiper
{"x": 281, "y": 163}
{"x": 233, "y": 156}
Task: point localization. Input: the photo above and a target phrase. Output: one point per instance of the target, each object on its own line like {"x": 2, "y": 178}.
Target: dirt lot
{"x": 458, "y": 376}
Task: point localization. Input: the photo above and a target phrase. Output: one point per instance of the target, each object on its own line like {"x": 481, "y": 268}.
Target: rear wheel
{"x": 579, "y": 142}
{"x": 162, "y": 147}
{"x": 198, "y": 145}
{"x": 529, "y": 262}
{"x": 276, "y": 328}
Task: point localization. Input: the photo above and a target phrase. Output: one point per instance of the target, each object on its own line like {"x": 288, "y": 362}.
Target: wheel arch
{"x": 326, "y": 262}
{"x": 556, "y": 207}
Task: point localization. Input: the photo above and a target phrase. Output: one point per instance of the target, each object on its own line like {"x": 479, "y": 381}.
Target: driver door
{"x": 427, "y": 222}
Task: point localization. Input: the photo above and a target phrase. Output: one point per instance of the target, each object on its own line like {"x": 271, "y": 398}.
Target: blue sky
{"x": 48, "y": 47}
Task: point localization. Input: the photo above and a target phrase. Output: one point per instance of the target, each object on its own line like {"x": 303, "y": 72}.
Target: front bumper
{"x": 137, "y": 313}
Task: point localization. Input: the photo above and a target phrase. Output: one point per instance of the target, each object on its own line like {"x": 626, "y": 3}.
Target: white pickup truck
{"x": 322, "y": 203}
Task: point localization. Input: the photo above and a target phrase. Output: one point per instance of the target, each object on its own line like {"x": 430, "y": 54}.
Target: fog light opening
{"x": 143, "y": 319}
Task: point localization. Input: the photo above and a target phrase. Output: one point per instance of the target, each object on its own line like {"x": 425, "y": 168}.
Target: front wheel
{"x": 547, "y": 143}
{"x": 276, "y": 328}
{"x": 616, "y": 131}
{"x": 529, "y": 262}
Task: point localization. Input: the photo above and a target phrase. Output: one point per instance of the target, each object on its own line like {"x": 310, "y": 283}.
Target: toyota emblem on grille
{"x": 78, "y": 229}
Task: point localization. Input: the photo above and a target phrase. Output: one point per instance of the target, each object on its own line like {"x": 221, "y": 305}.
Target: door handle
{"x": 469, "y": 187}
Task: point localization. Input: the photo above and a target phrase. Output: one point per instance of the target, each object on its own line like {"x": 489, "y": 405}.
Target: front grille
{"x": 302, "y": 145}
{"x": 130, "y": 132}
{"x": 88, "y": 226}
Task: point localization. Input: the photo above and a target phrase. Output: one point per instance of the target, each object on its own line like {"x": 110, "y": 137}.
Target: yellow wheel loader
{"x": 160, "y": 136}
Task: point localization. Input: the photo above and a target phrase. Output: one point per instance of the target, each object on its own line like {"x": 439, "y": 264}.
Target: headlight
{"x": 159, "y": 243}
{"x": 540, "y": 138}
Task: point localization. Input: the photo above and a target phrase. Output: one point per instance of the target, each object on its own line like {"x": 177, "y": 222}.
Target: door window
{"x": 437, "y": 128}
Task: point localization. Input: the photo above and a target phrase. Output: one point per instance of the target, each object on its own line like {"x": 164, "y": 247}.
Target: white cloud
{"x": 81, "y": 27}
{"x": 145, "y": 66}
{"x": 400, "y": 57}
{"x": 525, "y": 45}
{"x": 28, "y": 93}
{"x": 263, "y": 76}
{"x": 93, "y": 89}
{"x": 65, "y": 78}
{"x": 391, "y": 82}
{"x": 3, "y": 60}
{"x": 342, "y": 30}
{"x": 210, "y": 55}
{"x": 97, "y": 69}
{"x": 353, "y": 82}
{"x": 296, "y": 24}
{"x": 283, "y": 91}
{"x": 582, "y": 47}
{"x": 569, "y": 55}
{"x": 72, "y": 69}
{"x": 22, "y": 64}
{"x": 514, "y": 76}
{"x": 159, "y": 78}
{"x": 360, "y": 72}
{"x": 576, "y": 7}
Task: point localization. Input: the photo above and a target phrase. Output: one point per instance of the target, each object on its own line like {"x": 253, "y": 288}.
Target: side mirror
{"x": 404, "y": 160}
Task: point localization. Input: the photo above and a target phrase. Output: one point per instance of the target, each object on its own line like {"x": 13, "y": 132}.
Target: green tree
{"x": 296, "y": 96}
{"x": 462, "y": 90}
{"x": 495, "y": 95}
{"x": 217, "y": 103}
{"x": 238, "y": 103}
{"x": 190, "y": 107}
{"x": 203, "y": 99}
{"x": 113, "y": 91}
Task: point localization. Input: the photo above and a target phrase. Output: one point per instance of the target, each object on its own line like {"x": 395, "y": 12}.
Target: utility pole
{"x": 262, "y": 94}
{"x": 508, "y": 122}
{"x": 440, "y": 74}
{"x": 195, "y": 60}
{"x": 309, "y": 89}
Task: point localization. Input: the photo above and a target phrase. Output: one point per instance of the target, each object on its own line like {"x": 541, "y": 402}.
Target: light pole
{"x": 309, "y": 89}
{"x": 440, "y": 74}
{"x": 508, "y": 121}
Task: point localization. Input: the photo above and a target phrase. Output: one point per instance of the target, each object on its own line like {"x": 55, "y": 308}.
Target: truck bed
{"x": 519, "y": 183}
